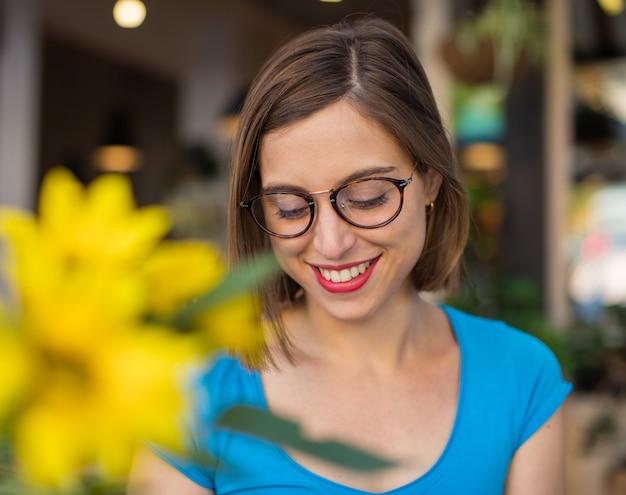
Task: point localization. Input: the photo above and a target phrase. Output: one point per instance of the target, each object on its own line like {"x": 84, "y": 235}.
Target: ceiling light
{"x": 129, "y": 13}
{"x": 117, "y": 158}
{"x": 117, "y": 152}
{"x": 612, "y": 7}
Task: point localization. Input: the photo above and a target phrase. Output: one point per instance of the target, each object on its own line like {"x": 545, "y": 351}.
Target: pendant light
{"x": 118, "y": 151}
{"x": 129, "y": 13}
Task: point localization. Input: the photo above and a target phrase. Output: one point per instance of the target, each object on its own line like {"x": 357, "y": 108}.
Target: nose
{"x": 332, "y": 236}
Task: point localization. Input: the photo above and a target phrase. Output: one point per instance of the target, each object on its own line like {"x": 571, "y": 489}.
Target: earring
{"x": 430, "y": 207}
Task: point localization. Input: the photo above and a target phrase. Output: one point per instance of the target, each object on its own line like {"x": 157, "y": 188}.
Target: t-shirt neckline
{"x": 434, "y": 472}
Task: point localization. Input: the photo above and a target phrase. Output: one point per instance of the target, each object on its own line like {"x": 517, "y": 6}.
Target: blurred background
{"x": 533, "y": 92}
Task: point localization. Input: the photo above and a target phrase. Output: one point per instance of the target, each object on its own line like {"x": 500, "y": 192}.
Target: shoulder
{"x": 518, "y": 369}
{"x": 493, "y": 352}
{"x": 210, "y": 387}
{"x": 497, "y": 340}
{"x": 221, "y": 367}
{"x": 222, "y": 382}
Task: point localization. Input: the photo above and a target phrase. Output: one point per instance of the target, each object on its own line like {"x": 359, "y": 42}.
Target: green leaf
{"x": 12, "y": 486}
{"x": 259, "y": 423}
{"x": 240, "y": 281}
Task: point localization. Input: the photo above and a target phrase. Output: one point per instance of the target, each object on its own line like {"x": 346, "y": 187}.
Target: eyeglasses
{"x": 367, "y": 203}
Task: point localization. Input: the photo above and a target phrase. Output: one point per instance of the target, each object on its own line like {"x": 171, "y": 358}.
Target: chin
{"x": 356, "y": 311}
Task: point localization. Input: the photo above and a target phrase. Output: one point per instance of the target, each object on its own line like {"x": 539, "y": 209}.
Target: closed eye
{"x": 293, "y": 214}
{"x": 365, "y": 203}
{"x": 285, "y": 206}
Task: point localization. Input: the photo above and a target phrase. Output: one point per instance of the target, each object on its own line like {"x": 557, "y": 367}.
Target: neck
{"x": 408, "y": 328}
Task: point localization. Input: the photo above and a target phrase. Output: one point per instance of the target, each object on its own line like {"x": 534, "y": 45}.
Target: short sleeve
{"x": 196, "y": 472}
{"x": 542, "y": 386}
{"x": 220, "y": 384}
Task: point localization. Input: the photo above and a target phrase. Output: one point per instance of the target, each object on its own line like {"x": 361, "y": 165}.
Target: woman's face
{"x": 368, "y": 268}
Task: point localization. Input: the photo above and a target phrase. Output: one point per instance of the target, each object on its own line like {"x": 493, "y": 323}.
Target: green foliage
{"x": 239, "y": 282}
{"x": 516, "y": 27}
{"x": 599, "y": 350}
{"x": 516, "y": 300}
{"x": 11, "y": 485}
{"x": 602, "y": 426}
{"x": 259, "y": 423}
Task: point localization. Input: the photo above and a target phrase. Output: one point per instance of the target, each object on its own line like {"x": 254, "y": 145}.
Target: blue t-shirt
{"x": 510, "y": 385}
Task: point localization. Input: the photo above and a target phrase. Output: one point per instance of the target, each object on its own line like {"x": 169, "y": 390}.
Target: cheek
{"x": 407, "y": 234}
{"x": 288, "y": 247}
{"x": 411, "y": 223}
{"x": 286, "y": 251}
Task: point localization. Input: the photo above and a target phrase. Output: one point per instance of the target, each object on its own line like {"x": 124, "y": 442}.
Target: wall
{"x": 80, "y": 90}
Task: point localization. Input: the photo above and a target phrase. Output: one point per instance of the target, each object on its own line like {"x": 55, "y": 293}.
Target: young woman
{"x": 342, "y": 167}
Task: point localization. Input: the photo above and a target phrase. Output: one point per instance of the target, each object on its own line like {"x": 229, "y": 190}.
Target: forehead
{"x": 325, "y": 148}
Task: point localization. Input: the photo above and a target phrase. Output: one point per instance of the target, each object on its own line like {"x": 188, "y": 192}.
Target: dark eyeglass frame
{"x": 308, "y": 197}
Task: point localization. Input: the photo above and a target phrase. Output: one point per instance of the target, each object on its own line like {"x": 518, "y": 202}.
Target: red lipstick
{"x": 345, "y": 287}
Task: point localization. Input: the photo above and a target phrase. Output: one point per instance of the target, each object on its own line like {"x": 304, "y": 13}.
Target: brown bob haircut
{"x": 371, "y": 65}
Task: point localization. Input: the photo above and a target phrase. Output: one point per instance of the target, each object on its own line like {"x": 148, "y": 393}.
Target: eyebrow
{"x": 359, "y": 174}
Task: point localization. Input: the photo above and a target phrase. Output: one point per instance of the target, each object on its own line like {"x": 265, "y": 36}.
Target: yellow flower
{"x": 179, "y": 271}
{"x": 52, "y": 439}
{"x": 238, "y": 326}
{"x": 87, "y": 369}
{"x": 100, "y": 223}
{"x": 140, "y": 378}
{"x": 83, "y": 309}
{"x": 28, "y": 267}
{"x": 16, "y": 369}
{"x": 91, "y": 412}
{"x": 80, "y": 366}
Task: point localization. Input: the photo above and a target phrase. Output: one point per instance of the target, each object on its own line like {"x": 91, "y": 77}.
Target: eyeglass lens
{"x": 368, "y": 203}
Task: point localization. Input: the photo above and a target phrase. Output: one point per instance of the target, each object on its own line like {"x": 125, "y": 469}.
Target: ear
{"x": 432, "y": 182}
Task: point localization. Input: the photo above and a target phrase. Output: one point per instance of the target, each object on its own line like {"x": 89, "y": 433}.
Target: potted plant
{"x": 497, "y": 44}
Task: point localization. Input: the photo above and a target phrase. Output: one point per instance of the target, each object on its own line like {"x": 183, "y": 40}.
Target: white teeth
{"x": 346, "y": 274}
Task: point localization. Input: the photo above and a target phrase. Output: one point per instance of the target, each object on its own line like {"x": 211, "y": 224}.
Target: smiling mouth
{"x": 346, "y": 274}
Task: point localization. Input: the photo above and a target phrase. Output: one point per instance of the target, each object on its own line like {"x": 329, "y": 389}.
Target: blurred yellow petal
{"x": 60, "y": 201}
{"x": 16, "y": 369}
{"x": 26, "y": 265}
{"x": 114, "y": 453}
{"x": 235, "y": 325}
{"x": 110, "y": 197}
{"x": 110, "y": 208}
{"x": 140, "y": 382}
{"x": 51, "y": 442}
{"x": 88, "y": 305}
{"x": 146, "y": 227}
{"x": 17, "y": 227}
{"x": 19, "y": 240}
{"x": 180, "y": 271}
{"x": 86, "y": 372}
{"x": 100, "y": 222}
